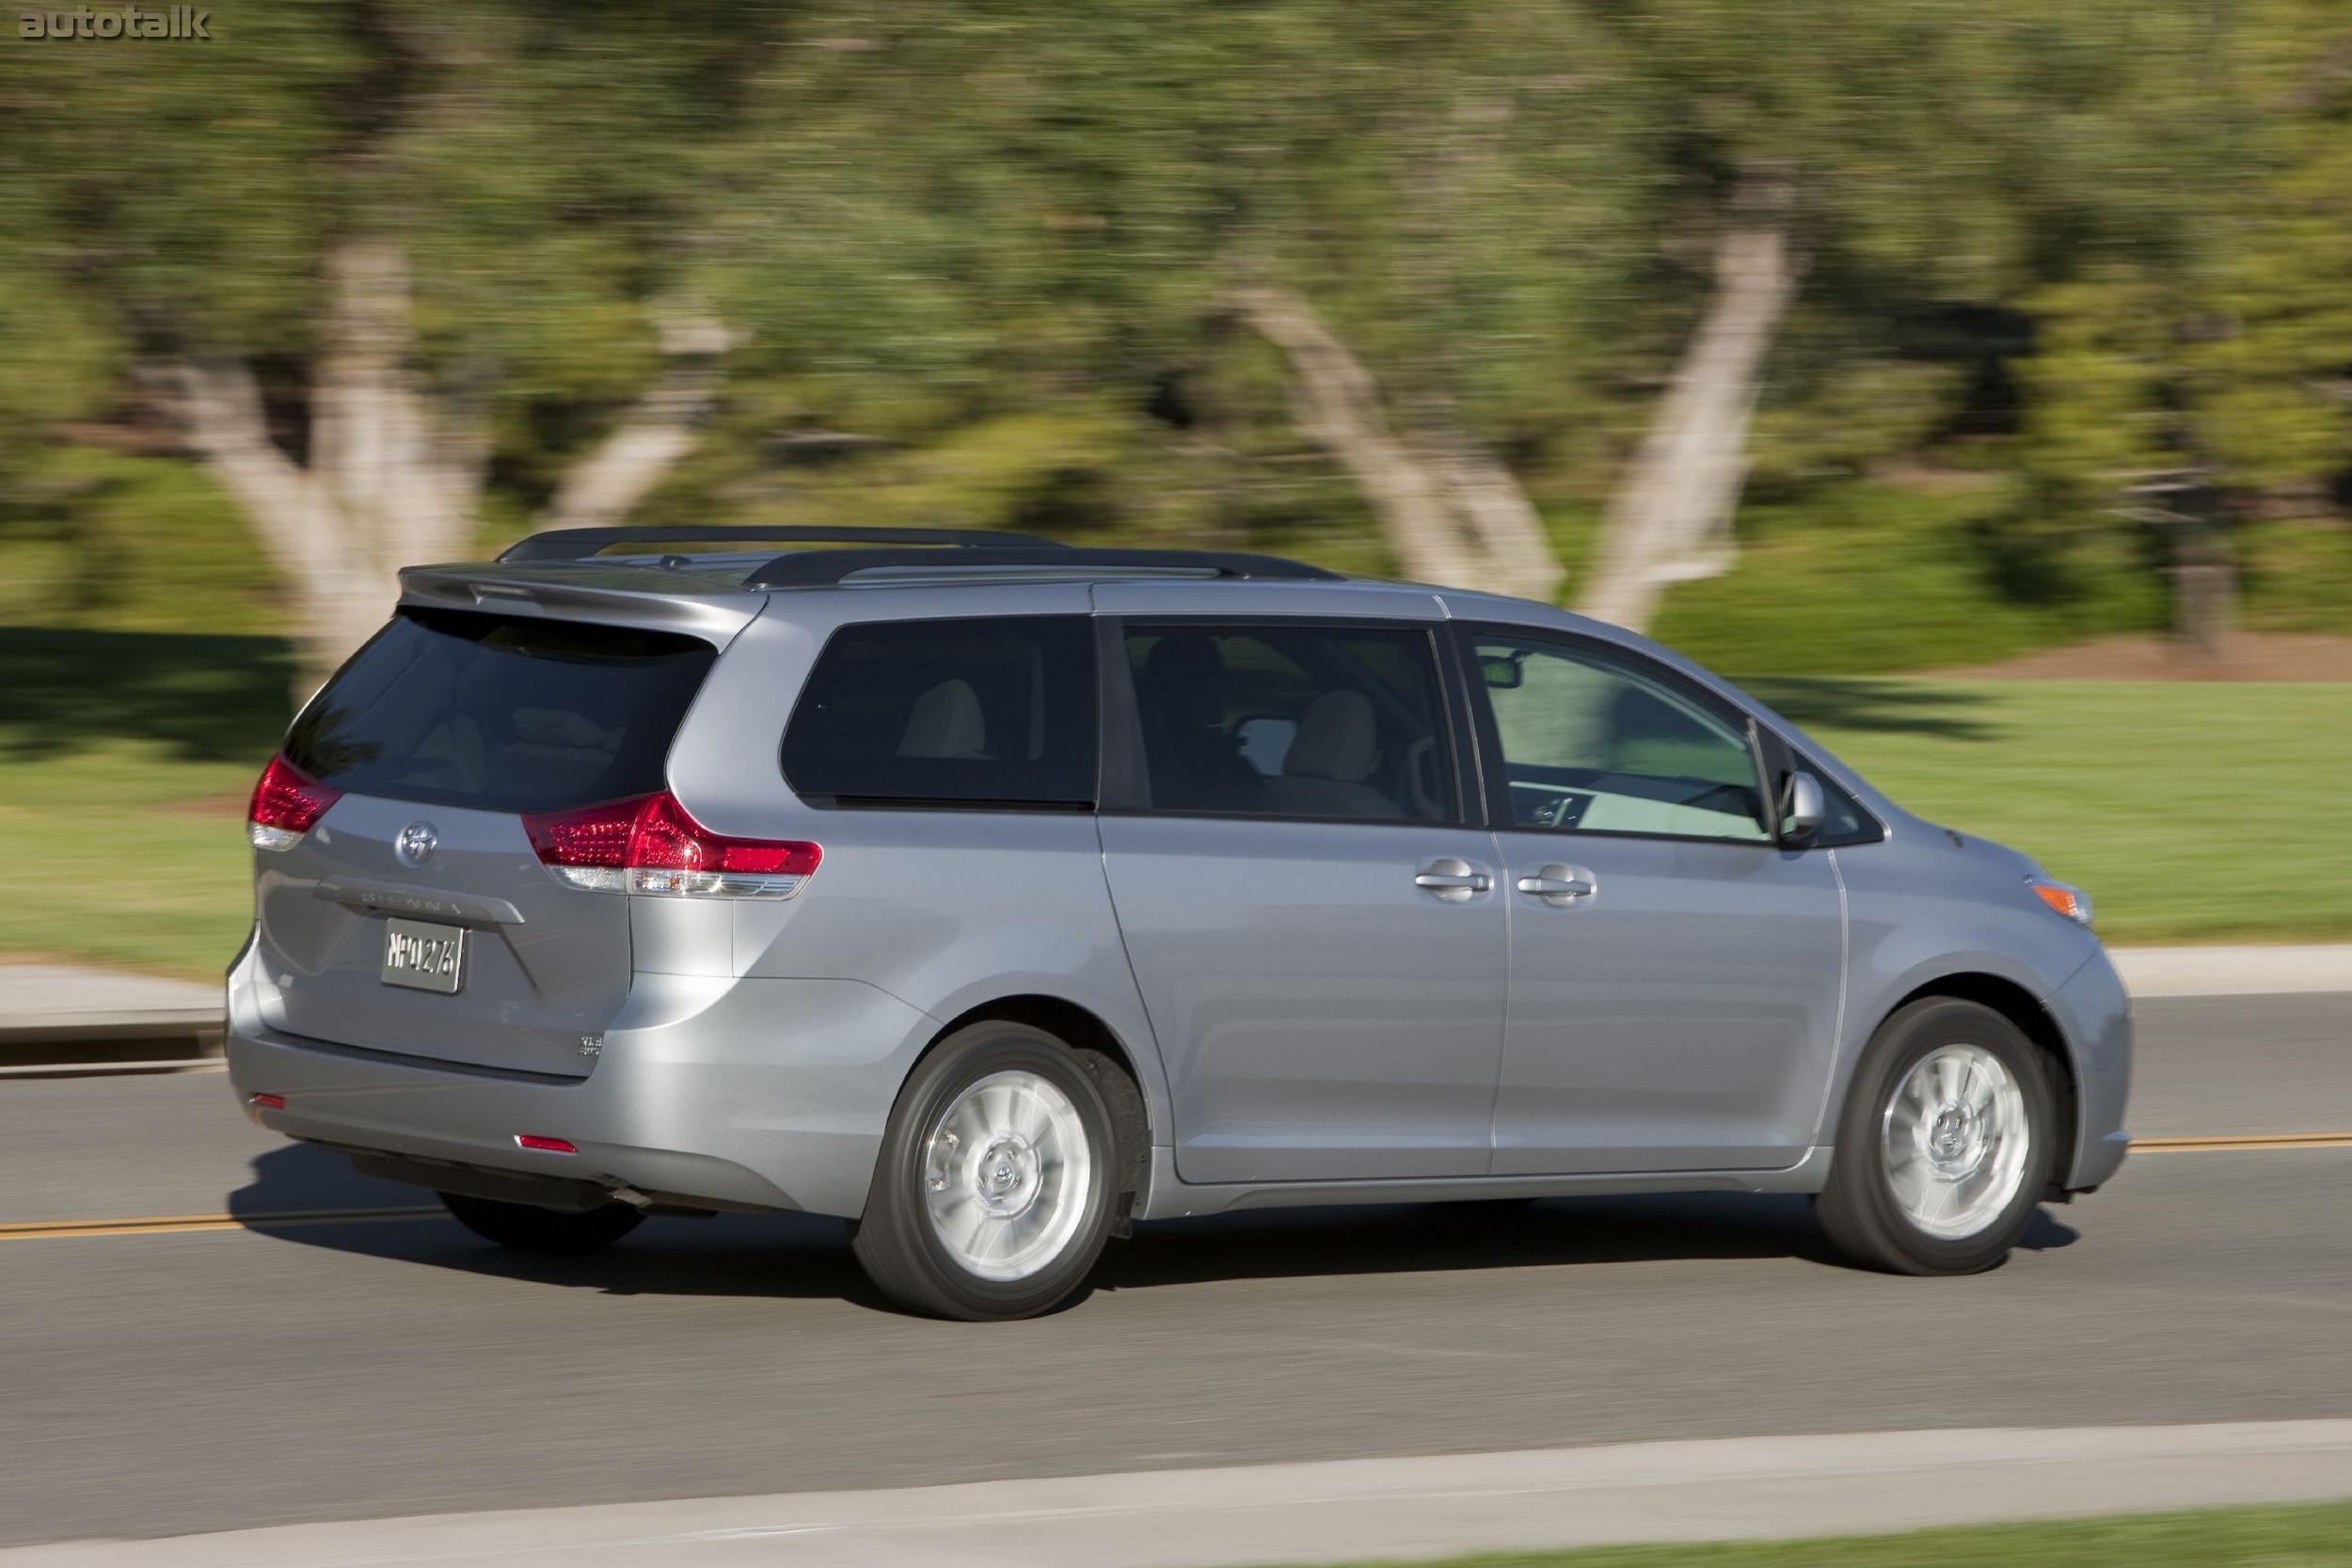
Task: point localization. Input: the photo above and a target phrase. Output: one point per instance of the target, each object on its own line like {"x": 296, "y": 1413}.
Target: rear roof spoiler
{"x": 617, "y": 596}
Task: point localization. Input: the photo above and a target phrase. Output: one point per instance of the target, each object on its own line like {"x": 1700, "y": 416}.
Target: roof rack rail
{"x": 823, "y": 568}
{"x": 581, "y": 543}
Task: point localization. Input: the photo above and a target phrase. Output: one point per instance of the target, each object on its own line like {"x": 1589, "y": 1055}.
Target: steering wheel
{"x": 1553, "y": 808}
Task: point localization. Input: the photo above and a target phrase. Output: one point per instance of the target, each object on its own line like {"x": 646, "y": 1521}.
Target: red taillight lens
{"x": 544, "y": 1145}
{"x": 588, "y": 838}
{"x": 649, "y": 843}
{"x": 285, "y": 803}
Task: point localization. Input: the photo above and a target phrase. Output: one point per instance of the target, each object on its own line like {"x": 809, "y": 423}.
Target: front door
{"x": 1317, "y": 933}
{"x": 1675, "y": 974}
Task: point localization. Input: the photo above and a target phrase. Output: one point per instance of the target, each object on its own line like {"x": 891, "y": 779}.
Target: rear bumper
{"x": 2095, "y": 1016}
{"x": 768, "y": 1094}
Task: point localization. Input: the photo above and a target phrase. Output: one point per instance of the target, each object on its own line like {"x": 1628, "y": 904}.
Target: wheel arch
{"x": 2019, "y": 1005}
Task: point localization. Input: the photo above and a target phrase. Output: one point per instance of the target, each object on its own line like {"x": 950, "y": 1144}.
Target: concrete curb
{"x": 2244, "y": 971}
{"x": 1347, "y": 1509}
{"x": 67, "y": 1017}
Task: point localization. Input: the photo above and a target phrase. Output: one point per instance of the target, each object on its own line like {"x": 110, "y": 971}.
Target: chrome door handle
{"x": 1454, "y": 881}
{"x": 1556, "y": 885}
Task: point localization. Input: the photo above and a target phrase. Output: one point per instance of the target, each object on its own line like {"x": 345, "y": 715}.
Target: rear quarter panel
{"x": 944, "y": 910}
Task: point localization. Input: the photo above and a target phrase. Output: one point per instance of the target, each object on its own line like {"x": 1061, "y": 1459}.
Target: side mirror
{"x": 1800, "y": 808}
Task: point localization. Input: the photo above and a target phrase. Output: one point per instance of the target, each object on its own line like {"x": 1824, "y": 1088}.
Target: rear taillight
{"x": 285, "y": 803}
{"x": 648, "y": 843}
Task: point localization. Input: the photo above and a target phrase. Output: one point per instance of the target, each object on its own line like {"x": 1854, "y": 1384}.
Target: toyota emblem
{"x": 416, "y": 843}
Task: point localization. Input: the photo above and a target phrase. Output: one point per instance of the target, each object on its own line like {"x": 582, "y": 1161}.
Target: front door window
{"x": 1592, "y": 744}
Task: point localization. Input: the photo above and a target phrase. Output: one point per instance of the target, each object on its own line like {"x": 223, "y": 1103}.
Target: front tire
{"x": 993, "y": 1195}
{"x": 1944, "y": 1149}
{"x": 524, "y": 1227}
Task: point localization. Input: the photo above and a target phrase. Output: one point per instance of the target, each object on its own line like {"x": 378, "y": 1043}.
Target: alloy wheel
{"x": 1956, "y": 1141}
{"x": 1008, "y": 1172}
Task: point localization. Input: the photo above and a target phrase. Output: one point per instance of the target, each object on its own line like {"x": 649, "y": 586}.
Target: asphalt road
{"x": 164, "y": 1383}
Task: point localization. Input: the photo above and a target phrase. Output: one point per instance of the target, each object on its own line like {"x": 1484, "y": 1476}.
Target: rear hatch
{"x": 414, "y": 915}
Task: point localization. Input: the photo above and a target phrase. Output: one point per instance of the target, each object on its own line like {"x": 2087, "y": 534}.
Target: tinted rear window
{"x": 997, "y": 712}
{"x": 456, "y": 708}
{"x": 1313, "y": 720}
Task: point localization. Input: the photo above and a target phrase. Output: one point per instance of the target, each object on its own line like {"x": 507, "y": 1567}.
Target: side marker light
{"x": 2071, "y": 902}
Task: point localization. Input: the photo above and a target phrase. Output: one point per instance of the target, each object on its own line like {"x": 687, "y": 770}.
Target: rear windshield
{"x": 454, "y": 708}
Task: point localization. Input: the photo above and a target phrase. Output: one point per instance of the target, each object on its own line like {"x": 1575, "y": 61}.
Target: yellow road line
{"x": 2247, "y": 1140}
{"x": 167, "y": 1224}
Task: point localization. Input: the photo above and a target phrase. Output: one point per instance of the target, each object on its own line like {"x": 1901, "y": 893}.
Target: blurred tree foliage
{"x": 980, "y": 256}
{"x": 540, "y": 161}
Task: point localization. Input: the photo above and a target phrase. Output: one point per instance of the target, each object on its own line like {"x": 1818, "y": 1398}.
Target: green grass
{"x": 124, "y": 760}
{"x": 2306, "y": 1536}
{"x": 2191, "y": 812}
{"x": 128, "y": 856}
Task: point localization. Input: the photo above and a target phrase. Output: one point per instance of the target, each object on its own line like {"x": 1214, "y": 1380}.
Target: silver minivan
{"x": 993, "y": 895}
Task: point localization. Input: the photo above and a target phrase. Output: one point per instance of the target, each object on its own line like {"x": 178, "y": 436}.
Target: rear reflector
{"x": 269, "y": 1101}
{"x": 648, "y": 843}
{"x": 544, "y": 1145}
{"x": 286, "y": 802}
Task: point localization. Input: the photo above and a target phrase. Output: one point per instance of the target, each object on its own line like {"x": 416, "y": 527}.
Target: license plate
{"x": 425, "y": 956}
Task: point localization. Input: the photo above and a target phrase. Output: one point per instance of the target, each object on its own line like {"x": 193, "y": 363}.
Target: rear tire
{"x": 524, "y": 1227}
{"x": 1944, "y": 1147}
{"x": 993, "y": 1195}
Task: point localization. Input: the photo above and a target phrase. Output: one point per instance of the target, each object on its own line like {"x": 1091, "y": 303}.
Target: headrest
{"x": 946, "y": 721}
{"x": 1336, "y": 739}
{"x": 1182, "y": 682}
{"x": 555, "y": 726}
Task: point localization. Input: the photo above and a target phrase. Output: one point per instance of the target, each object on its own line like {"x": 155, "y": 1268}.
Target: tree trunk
{"x": 667, "y": 423}
{"x": 394, "y": 472}
{"x": 390, "y": 479}
{"x": 1454, "y": 515}
{"x": 1670, "y": 519}
{"x": 2205, "y": 595}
